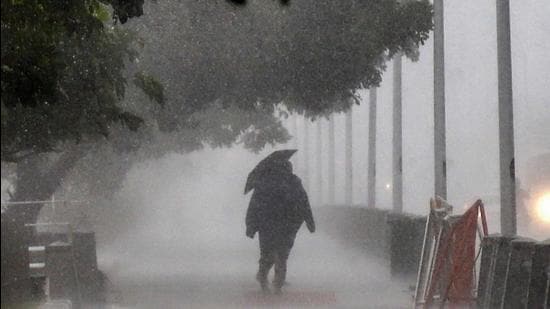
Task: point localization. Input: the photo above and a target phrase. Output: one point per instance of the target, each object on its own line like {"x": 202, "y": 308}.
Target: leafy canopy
{"x": 63, "y": 66}
{"x": 63, "y": 72}
{"x": 310, "y": 56}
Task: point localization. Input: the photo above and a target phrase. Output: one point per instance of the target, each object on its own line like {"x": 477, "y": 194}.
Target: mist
{"x": 166, "y": 201}
{"x": 187, "y": 242}
{"x": 471, "y": 114}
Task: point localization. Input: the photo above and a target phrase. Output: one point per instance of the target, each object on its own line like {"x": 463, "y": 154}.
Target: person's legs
{"x": 266, "y": 262}
{"x": 281, "y": 257}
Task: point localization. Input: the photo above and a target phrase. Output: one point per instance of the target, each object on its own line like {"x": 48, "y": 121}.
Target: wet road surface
{"x": 321, "y": 273}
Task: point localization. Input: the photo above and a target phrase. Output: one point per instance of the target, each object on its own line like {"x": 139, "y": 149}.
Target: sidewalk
{"x": 321, "y": 273}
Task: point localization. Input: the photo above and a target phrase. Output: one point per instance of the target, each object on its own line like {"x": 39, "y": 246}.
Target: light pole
{"x": 294, "y": 121}
{"x": 349, "y": 158}
{"x": 397, "y": 137}
{"x": 440, "y": 161}
{"x": 505, "y": 121}
{"x": 319, "y": 156}
{"x": 306, "y": 156}
{"x": 331, "y": 161}
{"x": 371, "y": 180}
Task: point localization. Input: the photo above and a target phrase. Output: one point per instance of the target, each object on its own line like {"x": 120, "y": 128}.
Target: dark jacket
{"x": 278, "y": 207}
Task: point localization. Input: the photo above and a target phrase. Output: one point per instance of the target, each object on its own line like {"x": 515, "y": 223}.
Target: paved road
{"x": 322, "y": 273}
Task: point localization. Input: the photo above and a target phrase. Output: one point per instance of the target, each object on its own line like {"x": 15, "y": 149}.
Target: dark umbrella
{"x": 264, "y": 166}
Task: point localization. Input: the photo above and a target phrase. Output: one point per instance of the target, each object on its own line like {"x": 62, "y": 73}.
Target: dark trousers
{"x": 274, "y": 251}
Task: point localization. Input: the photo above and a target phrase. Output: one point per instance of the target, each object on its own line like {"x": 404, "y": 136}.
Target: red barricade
{"x": 453, "y": 273}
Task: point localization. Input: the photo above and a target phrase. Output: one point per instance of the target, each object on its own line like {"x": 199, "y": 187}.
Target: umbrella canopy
{"x": 274, "y": 159}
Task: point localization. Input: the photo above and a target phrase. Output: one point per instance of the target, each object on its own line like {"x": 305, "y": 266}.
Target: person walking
{"x": 277, "y": 209}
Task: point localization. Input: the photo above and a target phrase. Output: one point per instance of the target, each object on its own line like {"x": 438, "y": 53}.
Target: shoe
{"x": 277, "y": 287}
{"x": 263, "y": 283}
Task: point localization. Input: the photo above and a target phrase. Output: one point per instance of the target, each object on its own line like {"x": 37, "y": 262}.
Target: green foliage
{"x": 150, "y": 86}
{"x": 312, "y": 55}
{"x": 226, "y": 68}
{"x": 220, "y": 126}
{"x": 101, "y": 12}
{"x": 62, "y": 74}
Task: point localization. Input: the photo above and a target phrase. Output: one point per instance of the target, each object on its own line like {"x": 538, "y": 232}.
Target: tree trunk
{"x": 35, "y": 184}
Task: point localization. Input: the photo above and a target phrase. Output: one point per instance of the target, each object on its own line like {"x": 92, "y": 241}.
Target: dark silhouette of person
{"x": 277, "y": 209}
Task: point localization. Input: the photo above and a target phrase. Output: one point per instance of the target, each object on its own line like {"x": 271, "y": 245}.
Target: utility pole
{"x": 397, "y": 137}
{"x": 319, "y": 156}
{"x": 506, "y": 121}
{"x": 349, "y": 163}
{"x": 371, "y": 172}
{"x": 294, "y": 122}
{"x": 440, "y": 160}
{"x": 331, "y": 161}
{"x": 306, "y": 155}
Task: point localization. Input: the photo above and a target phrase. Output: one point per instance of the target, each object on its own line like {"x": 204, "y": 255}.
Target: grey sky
{"x": 471, "y": 103}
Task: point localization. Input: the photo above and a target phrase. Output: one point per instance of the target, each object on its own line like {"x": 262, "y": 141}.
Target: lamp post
{"x": 319, "y": 156}
{"x": 349, "y": 158}
{"x": 306, "y": 155}
{"x": 397, "y": 137}
{"x": 331, "y": 161}
{"x": 505, "y": 121}
{"x": 371, "y": 172}
{"x": 440, "y": 161}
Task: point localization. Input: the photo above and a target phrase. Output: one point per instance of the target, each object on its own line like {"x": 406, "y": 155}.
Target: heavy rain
{"x": 275, "y": 154}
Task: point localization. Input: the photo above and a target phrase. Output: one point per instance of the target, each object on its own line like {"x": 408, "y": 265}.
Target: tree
{"x": 62, "y": 75}
{"x": 227, "y": 71}
{"x": 231, "y": 70}
{"x": 311, "y": 56}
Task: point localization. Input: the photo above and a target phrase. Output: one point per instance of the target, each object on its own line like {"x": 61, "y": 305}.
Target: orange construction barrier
{"x": 453, "y": 276}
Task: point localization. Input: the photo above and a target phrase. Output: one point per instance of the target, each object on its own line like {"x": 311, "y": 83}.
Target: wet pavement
{"x": 321, "y": 273}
